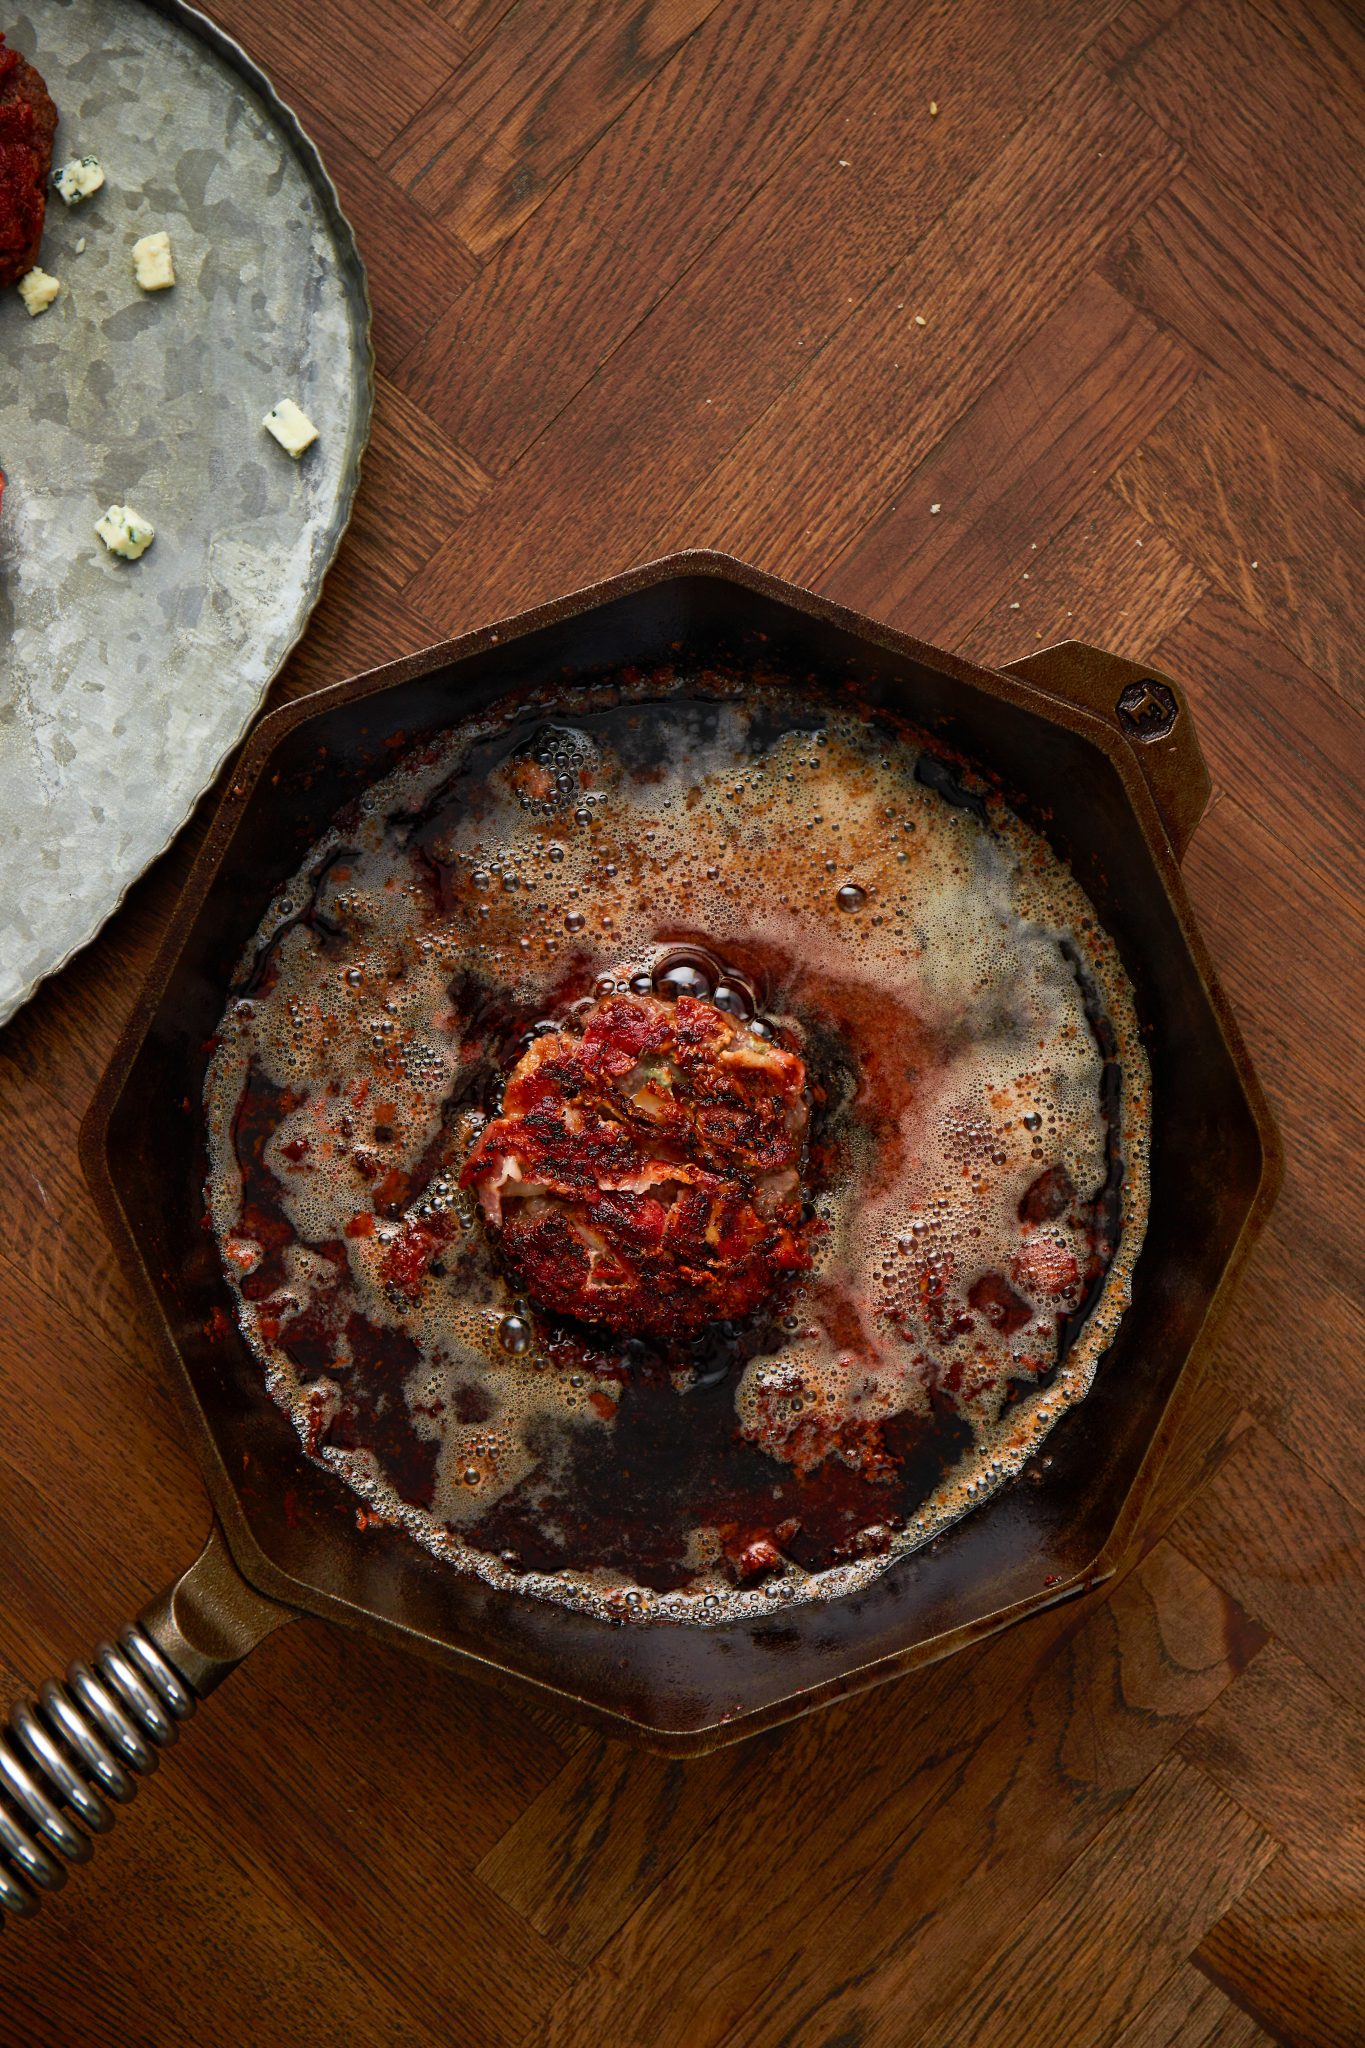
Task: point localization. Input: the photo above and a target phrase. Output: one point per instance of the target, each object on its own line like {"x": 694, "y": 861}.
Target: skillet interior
{"x": 292, "y": 1527}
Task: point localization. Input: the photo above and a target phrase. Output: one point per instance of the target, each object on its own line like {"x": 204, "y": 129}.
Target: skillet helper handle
{"x": 1151, "y": 712}
{"x": 85, "y": 1742}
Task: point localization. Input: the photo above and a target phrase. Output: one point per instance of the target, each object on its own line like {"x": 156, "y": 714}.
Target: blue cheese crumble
{"x": 37, "y": 290}
{"x": 78, "y": 179}
{"x": 152, "y": 264}
{"x": 125, "y": 532}
{"x": 291, "y": 427}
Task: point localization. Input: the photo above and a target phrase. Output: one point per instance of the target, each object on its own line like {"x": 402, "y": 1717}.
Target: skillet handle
{"x": 210, "y": 1618}
{"x": 80, "y": 1744}
{"x": 1151, "y": 712}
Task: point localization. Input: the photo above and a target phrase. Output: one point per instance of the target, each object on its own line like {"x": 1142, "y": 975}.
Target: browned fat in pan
{"x": 1080, "y": 766}
{"x": 885, "y": 936}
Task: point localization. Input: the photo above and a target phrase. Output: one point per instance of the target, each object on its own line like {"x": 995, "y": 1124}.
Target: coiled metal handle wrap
{"x": 78, "y": 1746}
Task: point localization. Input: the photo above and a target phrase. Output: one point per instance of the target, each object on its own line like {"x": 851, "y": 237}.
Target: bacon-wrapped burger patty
{"x": 28, "y": 121}
{"x": 645, "y": 1171}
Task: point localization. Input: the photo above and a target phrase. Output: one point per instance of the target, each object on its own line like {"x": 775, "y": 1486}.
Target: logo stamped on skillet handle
{"x": 1147, "y": 710}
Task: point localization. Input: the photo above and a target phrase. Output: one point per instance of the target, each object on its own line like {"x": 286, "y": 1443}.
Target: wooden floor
{"x": 653, "y": 272}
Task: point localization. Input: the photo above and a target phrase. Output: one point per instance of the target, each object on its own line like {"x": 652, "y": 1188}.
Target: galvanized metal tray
{"x": 123, "y": 685}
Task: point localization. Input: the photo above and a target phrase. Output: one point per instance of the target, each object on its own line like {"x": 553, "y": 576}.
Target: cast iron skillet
{"x": 1101, "y": 754}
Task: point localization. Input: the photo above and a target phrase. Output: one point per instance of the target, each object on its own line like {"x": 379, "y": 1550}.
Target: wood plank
{"x": 1275, "y": 79}
{"x": 660, "y": 434}
{"x": 897, "y": 1948}
{"x": 926, "y": 1876}
{"x": 1312, "y": 1401}
{"x": 115, "y": 1506}
{"x": 1231, "y": 493}
{"x": 473, "y": 1754}
{"x": 1200, "y": 1432}
{"x": 1278, "y": 886}
{"x": 120, "y": 1470}
{"x": 1292, "y": 1951}
{"x": 1287, "y": 1548}
{"x": 416, "y": 267}
{"x": 1118, "y": 1922}
{"x": 370, "y": 69}
{"x": 1109, "y": 577}
{"x": 1190, "y": 2012}
{"x": 790, "y": 1780}
{"x": 356, "y": 627}
{"x": 86, "y": 1574}
{"x": 628, "y": 222}
{"x": 51, "y": 1238}
{"x": 417, "y": 483}
{"x": 1272, "y": 730}
{"x": 881, "y": 390}
{"x": 1252, "y": 301}
{"x": 1249, "y": 889}
{"x": 1290, "y": 1750}
{"x": 609, "y": 1828}
{"x": 805, "y": 1802}
{"x": 65, "y": 1035}
{"x": 472, "y": 20}
{"x": 699, "y": 220}
{"x": 1332, "y": 34}
{"x": 547, "y": 81}
{"x": 741, "y": 320}
{"x": 1078, "y": 396}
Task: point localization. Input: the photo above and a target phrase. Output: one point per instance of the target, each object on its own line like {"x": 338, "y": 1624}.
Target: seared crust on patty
{"x": 28, "y": 122}
{"x": 645, "y": 1172}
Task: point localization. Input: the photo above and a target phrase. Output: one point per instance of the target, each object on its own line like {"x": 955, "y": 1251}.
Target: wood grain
{"x": 1272, "y": 731}
{"x": 1253, "y": 511}
{"x": 1191, "y": 2012}
{"x": 417, "y": 268}
{"x": 472, "y": 20}
{"x": 1291, "y": 1751}
{"x": 1202, "y": 265}
{"x": 413, "y": 475}
{"x": 744, "y": 319}
{"x": 610, "y": 1826}
{"x": 1005, "y": 476}
{"x": 42, "y": 1247}
{"x": 1109, "y": 577}
{"x": 66, "y": 1981}
{"x": 371, "y": 69}
{"x": 1192, "y": 1853}
{"x": 1272, "y": 79}
{"x": 1298, "y": 1570}
{"x": 1290, "y": 1951}
{"x": 546, "y": 82}
{"x": 1312, "y": 1404}
{"x": 885, "y": 388}
{"x": 648, "y": 273}
{"x": 1324, "y": 1127}
{"x": 628, "y": 224}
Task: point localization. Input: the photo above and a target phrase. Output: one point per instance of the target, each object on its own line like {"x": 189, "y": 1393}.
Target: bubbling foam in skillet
{"x": 977, "y": 1170}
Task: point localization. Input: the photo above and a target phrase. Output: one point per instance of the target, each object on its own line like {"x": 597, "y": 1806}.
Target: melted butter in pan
{"x": 977, "y": 1165}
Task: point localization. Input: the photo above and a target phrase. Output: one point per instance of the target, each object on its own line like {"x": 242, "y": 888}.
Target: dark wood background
{"x": 654, "y": 272}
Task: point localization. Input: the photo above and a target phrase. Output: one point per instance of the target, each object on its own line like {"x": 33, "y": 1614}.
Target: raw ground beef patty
{"x": 28, "y": 121}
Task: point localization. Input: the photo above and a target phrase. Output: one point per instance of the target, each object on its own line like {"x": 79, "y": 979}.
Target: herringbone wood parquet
{"x": 657, "y": 272}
